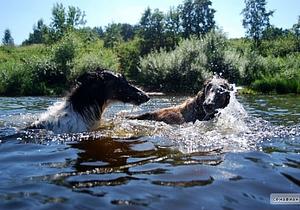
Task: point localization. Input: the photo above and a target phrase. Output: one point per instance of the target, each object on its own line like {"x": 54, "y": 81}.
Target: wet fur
{"x": 83, "y": 107}
{"x": 203, "y": 106}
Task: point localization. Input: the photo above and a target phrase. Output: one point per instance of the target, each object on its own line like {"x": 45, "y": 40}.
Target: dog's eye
{"x": 224, "y": 87}
{"x": 221, "y": 90}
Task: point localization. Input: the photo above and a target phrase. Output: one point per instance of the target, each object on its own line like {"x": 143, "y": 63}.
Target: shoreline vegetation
{"x": 164, "y": 52}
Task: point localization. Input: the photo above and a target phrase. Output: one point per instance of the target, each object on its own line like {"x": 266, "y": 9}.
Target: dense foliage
{"x": 173, "y": 51}
{"x": 186, "y": 67}
{"x": 49, "y": 70}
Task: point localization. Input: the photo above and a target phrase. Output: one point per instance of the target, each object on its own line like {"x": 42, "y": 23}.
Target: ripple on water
{"x": 232, "y": 130}
{"x": 232, "y": 162}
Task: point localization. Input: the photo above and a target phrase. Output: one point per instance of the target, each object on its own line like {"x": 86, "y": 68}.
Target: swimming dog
{"x": 214, "y": 95}
{"x": 82, "y": 108}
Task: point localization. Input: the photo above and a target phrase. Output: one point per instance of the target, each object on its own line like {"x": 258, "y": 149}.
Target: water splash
{"x": 232, "y": 130}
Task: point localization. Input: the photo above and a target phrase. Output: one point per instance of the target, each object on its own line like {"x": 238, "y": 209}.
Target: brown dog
{"x": 214, "y": 95}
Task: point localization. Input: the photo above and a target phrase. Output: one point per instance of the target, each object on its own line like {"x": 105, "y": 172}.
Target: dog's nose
{"x": 209, "y": 105}
{"x": 144, "y": 97}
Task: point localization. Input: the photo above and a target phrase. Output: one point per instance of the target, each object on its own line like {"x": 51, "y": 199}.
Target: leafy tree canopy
{"x": 256, "y": 19}
{"x": 7, "y": 38}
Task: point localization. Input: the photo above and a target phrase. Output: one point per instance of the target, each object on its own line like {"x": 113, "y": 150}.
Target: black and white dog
{"x": 82, "y": 108}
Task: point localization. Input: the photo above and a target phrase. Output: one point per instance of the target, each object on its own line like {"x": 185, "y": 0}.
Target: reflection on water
{"x": 280, "y": 110}
{"x": 232, "y": 162}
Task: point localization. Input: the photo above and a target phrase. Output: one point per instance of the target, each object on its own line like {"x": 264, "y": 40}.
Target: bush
{"x": 49, "y": 70}
{"x": 185, "y": 68}
{"x": 279, "y": 47}
{"x": 282, "y": 75}
{"x": 91, "y": 56}
{"x": 16, "y": 70}
{"x": 129, "y": 56}
{"x": 17, "y": 80}
{"x": 277, "y": 84}
{"x": 64, "y": 53}
{"x": 265, "y": 85}
{"x": 252, "y": 67}
{"x": 181, "y": 69}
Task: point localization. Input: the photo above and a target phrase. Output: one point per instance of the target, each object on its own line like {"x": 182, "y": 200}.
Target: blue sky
{"x": 20, "y": 15}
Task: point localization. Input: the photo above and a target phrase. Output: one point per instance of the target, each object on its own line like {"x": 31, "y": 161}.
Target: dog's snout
{"x": 209, "y": 103}
{"x": 209, "y": 106}
{"x": 145, "y": 97}
{"x": 142, "y": 97}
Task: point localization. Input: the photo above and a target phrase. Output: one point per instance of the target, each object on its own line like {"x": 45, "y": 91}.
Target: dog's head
{"x": 216, "y": 95}
{"x": 104, "y": 85}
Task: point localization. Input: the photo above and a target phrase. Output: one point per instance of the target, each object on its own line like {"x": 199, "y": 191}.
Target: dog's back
{"x": 170, "y": 115}
{"x": 213, "y": 96}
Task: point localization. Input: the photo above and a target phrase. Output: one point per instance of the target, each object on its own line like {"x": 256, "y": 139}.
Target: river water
{"x": 234, "y": 161}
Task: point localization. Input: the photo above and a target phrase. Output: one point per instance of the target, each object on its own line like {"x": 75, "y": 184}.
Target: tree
{"x": 99, "y": 31}
{"x": 172, "y": 28}
{"x": 40, "y": 34}
{"x": 63, "y": 20}
{"x": 296, "y": 28}
{"x": 112, "y": 35}
{"x": 87, "y": 34}
{"x": 152, "y": 28}
{"x": 157, "y": 28}
{"x": 256, "y": 19}
{"x": 127, "y": 31}
{"x": 7, "y": 39}
{"x": 115, "y": 33}
{"x": 58, "y": 25}
{"x": 75, "y": 17}
{"x": 197, "y": 17}
{"x": 271, "y": 33}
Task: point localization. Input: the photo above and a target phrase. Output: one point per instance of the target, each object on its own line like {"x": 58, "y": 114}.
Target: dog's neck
{"x": 86, "y": 105}
{"x": 193, "y": 110}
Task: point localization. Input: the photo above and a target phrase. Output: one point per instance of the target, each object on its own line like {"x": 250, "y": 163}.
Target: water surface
{"x": 232, "y": 162}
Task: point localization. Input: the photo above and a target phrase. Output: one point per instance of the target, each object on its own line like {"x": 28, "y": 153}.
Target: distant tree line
{"x": 62, "y": 21}
{"x": 155, "y": 29}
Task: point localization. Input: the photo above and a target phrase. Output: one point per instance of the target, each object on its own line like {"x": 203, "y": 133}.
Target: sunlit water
{"x": 235, "y": 161}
